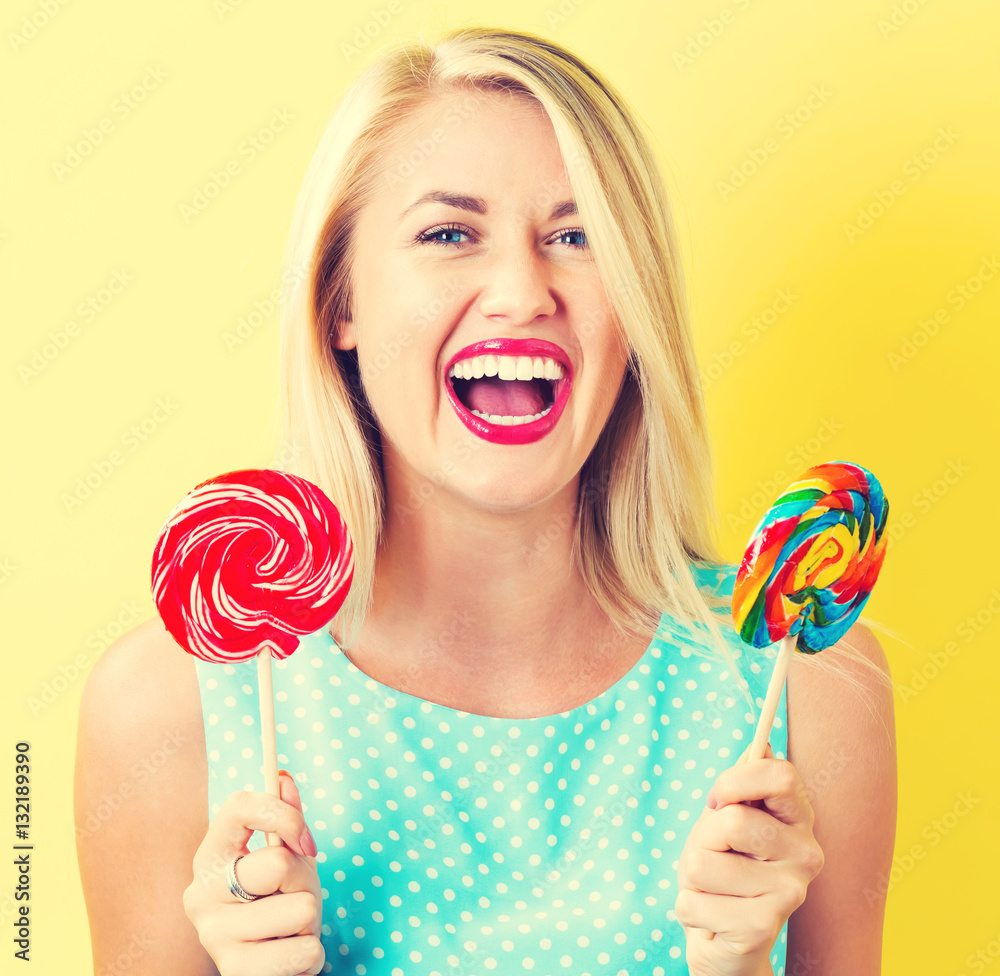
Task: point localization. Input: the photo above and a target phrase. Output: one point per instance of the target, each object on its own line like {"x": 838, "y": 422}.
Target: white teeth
{"x": 507, "y": 367}
{"x": 510, "y": 421}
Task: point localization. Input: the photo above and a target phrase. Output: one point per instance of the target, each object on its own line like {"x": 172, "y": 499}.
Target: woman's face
{"x": 470, "y": 255}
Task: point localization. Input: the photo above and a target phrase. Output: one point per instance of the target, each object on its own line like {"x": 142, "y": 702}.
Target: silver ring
{"x": 234, "y": 885}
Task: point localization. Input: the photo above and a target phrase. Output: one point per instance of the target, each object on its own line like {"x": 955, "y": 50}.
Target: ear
{"x": 344, "y": 335}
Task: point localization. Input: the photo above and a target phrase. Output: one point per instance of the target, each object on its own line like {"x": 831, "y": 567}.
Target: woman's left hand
{"x": 745, "y": 867}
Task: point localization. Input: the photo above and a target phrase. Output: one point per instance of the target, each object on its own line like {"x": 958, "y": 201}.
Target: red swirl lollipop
{"x": 246, "y": 564}
{"x": 248, "y": 560}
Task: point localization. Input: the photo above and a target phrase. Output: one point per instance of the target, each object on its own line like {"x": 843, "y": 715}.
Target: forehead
{"x": 494, "y": 145}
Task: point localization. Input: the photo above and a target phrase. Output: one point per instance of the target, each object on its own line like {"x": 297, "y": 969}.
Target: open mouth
{"x": 509, "y": 402}
{"x": 510, "y": 391}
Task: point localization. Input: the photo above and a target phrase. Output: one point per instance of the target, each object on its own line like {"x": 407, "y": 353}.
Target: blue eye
{"x": 432, "y": 236}
{"x": 577, "y": 233}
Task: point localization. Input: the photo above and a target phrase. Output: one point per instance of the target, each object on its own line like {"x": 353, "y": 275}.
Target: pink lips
{"x": 522, "y": 433}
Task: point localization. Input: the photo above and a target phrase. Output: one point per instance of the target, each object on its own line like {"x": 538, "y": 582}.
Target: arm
{"x": 841, "y": 739}
{"x": 141, "y": 803}
{"x": 808, "y": 839}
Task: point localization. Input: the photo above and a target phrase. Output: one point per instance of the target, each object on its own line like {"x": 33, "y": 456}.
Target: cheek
{"x": 382, "y": 362}
{"x": 387, "y": 385}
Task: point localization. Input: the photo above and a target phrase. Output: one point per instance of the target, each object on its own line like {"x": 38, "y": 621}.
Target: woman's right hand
{"x": 275, "y": 935}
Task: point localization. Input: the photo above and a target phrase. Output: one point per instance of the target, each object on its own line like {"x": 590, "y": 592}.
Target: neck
{"x": 483, "y": 609}
{"x": 481, "y": 585}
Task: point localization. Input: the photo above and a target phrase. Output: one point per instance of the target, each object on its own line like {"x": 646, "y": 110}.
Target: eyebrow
{"x": 477, "y": 205}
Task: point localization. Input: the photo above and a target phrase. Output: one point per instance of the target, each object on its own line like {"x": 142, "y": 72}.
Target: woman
{"x": 512, "y": 742}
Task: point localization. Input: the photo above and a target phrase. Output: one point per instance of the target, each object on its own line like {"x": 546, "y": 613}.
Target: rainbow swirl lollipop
{"x": 812, "y": 561}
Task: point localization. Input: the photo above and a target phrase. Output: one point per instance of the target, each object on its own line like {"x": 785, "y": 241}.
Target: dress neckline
{"x": 387, "y": 691}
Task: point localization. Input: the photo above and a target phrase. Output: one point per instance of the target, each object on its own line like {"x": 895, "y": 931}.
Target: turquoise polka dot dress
{"x": 454, "y": 843}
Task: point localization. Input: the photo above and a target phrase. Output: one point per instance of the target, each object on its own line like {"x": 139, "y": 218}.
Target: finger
{"x": 243, "y": 813}
{"x": 272, "y": 869}
{"x": 744, "y": 922}
{"x": 728, "y": 873}
{"x": 281, "y": 957}
{"x": 287, "y": 789}
{"x": 768, "y": 754}
{"x": 290, "y": 794}
{"x": 747, "y": 830}
{"x": 277, "y": 916}
{"x": 776, "y": 782}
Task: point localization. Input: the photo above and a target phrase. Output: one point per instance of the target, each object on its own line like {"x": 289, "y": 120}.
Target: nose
{"x": 518, "y": 287}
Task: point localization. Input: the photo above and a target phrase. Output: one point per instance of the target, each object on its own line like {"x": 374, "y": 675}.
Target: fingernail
{"x": 710, "y": 802}
{"x": 307, "y": 843}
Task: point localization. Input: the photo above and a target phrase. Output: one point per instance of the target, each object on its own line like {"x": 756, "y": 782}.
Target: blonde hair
{"x": 645, "y": 507}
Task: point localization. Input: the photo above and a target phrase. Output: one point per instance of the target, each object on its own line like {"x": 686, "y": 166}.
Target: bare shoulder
{"x": 841, "y": 740}
{"x": 141, "y": 705}
{"x": 140, "y": 798}
{"x": 844, "y": 692}
{"x": 143, "y": 675}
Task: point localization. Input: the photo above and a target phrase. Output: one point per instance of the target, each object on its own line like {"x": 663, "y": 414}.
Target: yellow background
{"x": 819, "y": 383}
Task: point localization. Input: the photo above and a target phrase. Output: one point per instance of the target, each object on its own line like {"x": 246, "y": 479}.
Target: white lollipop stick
{"x": 268, "y": 736}
{"x": 767, "y": 713}
{"x": 771, "y": 699}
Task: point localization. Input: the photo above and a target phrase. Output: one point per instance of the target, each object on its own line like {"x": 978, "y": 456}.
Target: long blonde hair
{"x": 645, "y": 507}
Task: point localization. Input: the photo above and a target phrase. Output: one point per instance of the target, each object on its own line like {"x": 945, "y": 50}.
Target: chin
{"x": 509, "y": 494}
